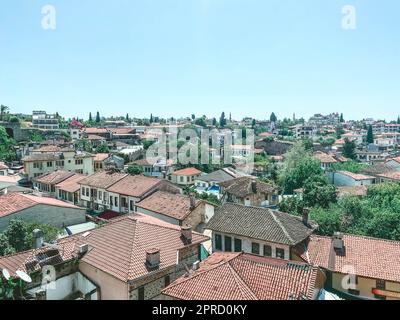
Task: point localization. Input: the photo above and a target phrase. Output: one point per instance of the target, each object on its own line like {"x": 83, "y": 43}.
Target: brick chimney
{"x": 192, "y": 200}
{"x": 338, "y": 243}
{"x": 254, "y": 186}
{"x": 153, "y": 257}
{"x": 187, "y": 233}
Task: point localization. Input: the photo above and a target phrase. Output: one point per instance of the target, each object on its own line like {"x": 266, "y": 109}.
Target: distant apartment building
{"x": 381, "y": 127}
{"x": 321, "y": 120}
{"x": 301, "y": 131}
{"x": 42, "y": 120}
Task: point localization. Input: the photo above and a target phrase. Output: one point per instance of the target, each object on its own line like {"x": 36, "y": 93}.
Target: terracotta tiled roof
{"x": 393, "y": 175}
{"x": 48, "y": 149}
{"x": 71, "y": 183}
{"x": 243, "y": 186}
{"x": 187, "y": 172}
{"x": 119, "y": 247}
{"x": 95, "y": 137}
{"x": 241, "y": 276}
{"x": 134, "y": 186}
{"x": 3, "y": 166}
{"x": 102, "y": 179}
{"x": 352, "y": 191}
{"x": 28, "y": 261}
{"x": 53, "y": 177}
{"x": 95, "y": 130}
{"x": 356, "y": 176}
{"x": 370, "y": 257}
{"x": 41, "y": 157}
{"x": 14, "y": 202}
{"x": 324, "y": 158}
{"x": 260, "y": 223}
{"x": 101, "y": 156}
{"x": 173, "y": 205}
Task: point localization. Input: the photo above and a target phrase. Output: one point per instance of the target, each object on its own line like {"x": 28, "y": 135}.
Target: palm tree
{"x": 3, "y": 110}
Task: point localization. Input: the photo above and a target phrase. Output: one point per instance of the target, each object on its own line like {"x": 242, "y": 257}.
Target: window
{"x": 181, "y": 179}
{"x": 78, "y": 161}
{"x": 167, "y": 280}
{"x": 111, "y": 200}
{"x": 238, "y": 245}
{"x": 228, "y": 243}
{"x": 131, "y": 205}
{"x": 255, "y": 248}
{"x": 280, "y": 253}
{"x": 36, "y": 165}
{"x": 100, "y": 195}
{"x": 49, "y": 164}
{"x": 116, "y": 201}
{"x": 267, "y": 251}
{"x": 218, "y": 242}
{"x": 60, "y": 163}
{"x": 354, "y": 292}
{"x": 141, "y": 293}
{"x": 381, "y": 284}
{"x": 87, "y": 192}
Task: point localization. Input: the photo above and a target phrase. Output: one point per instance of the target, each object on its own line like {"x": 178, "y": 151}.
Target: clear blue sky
{"x": 177, "y": 57}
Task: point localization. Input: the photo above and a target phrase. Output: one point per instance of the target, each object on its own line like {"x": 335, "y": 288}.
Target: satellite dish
{"x": 6, "y": 274}
{"x": 23, "y": 276}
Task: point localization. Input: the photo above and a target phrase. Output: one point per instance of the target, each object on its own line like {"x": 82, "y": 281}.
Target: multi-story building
{"x": 301, "y": 131}
{"x": 42, "y": 120}
{"x": 66, "y": 159}
{"x": 260, "y": 231}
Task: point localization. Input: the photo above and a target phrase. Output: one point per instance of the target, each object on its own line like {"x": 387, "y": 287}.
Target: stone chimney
{"x": 306, "y": 216}
{"x": 254, "y": 186}
{"x": 338, "y": 243}
{"x": 187, "y": 233}
{"x": 192, "y": 200}
{"x": 37, "y": 238}
{"x": 153, "y": 257}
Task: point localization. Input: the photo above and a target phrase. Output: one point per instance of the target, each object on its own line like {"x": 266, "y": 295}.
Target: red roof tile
{"x": 187, "y": 172}
{"x": 134, "y": 186}
{"x": 370, "y": 257}
{"x": 241, "y": 276}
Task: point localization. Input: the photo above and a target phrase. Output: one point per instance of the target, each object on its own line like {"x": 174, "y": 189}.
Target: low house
{"x": 184, "y": 177}
{"x": 176, "y": 209}
{"x": 243, "y": 276}
{"x": 130, "y": 258}
{"x": 3, "y": 169}
{"x": 126, "y": 192}
{"x": 206, "y": 181}
{"x": 265, "y": 232}
{"x": 250, "y": 192}
{"x": 357, "y": 266}
{"x": 326, "y": 160}
{"x": 48, "y": 181}
{"x": 394, "y": 163}
{"x": 347, "y": 178}
{"x": 41, "y": 210}
{"x": 69, "y": 189}
{"x": 103, "y": 161}
{"x": 94, "y": 194}
{"x": 160, "y": 169}
{"x": 392, "y": 176}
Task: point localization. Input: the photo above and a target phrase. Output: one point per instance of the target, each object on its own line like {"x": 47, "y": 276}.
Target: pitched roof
{"x": 376, "y": 169}
{"x": 48, "y": 149}
{"x": 134, "y": 186}
{"x": 187, "y": 172}
{"x": 217, "y": 176}
{"x": 351, "y": 191}
{"x": 41, "y": 157}
{"x": 119, "y": 247}
{"x": 370, "y": 257}
{"x": 355, "y": 176}
{"x": 28, "y": 261}
{"x": 71, "y": 184}
{"x": 102, "y": 179}
{"x": 260, "y": 223}
{"x": 243, "y": 186}
{"x": 241, "y": 276}
{"x": 324, "y": 157}
{"x": 54, "y": 177}
{"x": 392, "y": 175}
{"x": 173, "y": 205}
{"x": 101, "y": 156}
{"x": 14, "y": 202}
